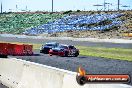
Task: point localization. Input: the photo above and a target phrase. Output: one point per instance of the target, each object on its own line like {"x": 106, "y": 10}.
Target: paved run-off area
{"x": 78, "y": 43}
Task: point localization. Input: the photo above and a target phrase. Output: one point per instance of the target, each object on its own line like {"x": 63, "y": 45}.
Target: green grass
{"x": 110, "y": 53}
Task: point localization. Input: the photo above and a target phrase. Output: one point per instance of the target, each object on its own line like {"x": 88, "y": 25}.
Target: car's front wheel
{"x": 41, "y": 51}
{"x": 66, "y": 54}
{"x": 76, "y": 54}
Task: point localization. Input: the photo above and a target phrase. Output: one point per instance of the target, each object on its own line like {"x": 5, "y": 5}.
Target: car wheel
{"x": 44, "y": 52}
{"x": 66, "y": 54}
{"x": 50, "y": 54}
{"x": 76, "y": 54}
{"x": 40, "y": 51}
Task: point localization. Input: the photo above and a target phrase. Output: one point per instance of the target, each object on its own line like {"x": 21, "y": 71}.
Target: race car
{"x": 46, "y": 47}
{"x": 64, "y": 50}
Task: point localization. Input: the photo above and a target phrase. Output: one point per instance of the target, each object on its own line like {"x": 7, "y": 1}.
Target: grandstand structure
{"x": 40, "y": 22}
{"x": 98, "y": 22}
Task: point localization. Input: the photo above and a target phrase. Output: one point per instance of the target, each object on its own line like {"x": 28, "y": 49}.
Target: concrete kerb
{"x": 10, "y": 71}
{"x": 34, "y": 75}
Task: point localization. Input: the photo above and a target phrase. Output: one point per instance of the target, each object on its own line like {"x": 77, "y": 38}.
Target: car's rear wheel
{"x": 50, "y": 54}
{"x": 41, "y": 51}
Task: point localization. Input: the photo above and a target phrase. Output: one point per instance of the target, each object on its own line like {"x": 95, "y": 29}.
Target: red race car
{"x": 64, "y": 50}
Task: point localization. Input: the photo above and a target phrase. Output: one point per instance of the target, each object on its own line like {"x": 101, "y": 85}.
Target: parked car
{"x": 46, "y": 47}
{"x": 64, "y": 50}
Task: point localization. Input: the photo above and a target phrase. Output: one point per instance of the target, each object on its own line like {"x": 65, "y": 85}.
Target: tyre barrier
{"x": 16, "y": 73}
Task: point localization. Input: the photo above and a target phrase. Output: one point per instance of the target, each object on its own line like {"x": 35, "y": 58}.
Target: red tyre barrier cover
{"x": 28, "y": 49}
{"x": 15, "y": 49}
{"x": 3, "y": 48}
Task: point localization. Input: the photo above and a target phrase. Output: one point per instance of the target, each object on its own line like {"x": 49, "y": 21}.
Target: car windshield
{"x": 64, "y": 47}
{"x": 49, "y": 45}
{"x": 71, "y": 47}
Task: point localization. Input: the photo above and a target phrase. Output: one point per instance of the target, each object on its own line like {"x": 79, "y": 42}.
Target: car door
{"x": 72, "y": 50}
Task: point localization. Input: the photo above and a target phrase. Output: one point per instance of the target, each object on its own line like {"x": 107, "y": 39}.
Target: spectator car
{"x": 64, "y": 50}
{"x": 46, "y": 47}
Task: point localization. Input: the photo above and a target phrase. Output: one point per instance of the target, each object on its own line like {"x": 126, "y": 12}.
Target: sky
{"x": 60, "y": 5}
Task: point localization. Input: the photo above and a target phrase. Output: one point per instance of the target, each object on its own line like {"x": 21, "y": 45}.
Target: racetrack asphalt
{"x": 92, "y": 65}
{"x": 79, "y": 43}
{"x": 2, "y": 86}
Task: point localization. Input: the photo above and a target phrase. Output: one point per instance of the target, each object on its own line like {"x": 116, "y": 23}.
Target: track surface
{"x": 2, "y": 86}
{"x": 24, "y": 40}
{"x": 93, "y": 65}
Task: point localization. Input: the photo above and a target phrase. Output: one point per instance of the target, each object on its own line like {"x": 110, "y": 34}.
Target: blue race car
{"x": 46, "y": 47}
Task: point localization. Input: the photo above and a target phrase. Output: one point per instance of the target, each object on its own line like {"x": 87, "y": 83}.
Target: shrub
{"x": 66, "y": 12}
{"x": 78, "y": 11}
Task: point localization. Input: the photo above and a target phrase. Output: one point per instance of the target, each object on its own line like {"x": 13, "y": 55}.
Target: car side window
{"x": 56, "y": 45}
{"x": 71, "y": 47}
{"x": 64, "y": 47}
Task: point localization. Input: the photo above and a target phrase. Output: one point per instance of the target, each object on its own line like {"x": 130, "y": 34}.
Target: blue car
{"x": 46, "y": 47}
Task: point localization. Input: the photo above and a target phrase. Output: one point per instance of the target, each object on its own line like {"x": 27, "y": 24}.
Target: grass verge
{"x": 111, "y": 53}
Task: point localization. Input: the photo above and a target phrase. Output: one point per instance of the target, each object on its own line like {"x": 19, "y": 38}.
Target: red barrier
{"x": 11, "y": 50}
{"x": 16, "y": 49}
{"x": 28, "y": 49}
{"x": 19, "y": 50}
{"x": 3, "y": 48}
